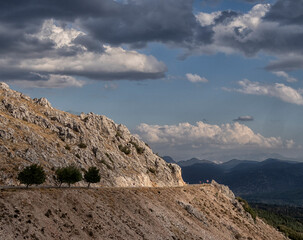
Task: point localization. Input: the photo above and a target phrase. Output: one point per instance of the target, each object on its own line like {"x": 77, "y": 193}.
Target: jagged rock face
{"x": 32, "y": 131}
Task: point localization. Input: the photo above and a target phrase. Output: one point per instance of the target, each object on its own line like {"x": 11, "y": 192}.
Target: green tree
{"x": 33, "y": 174}
{"x": 92, "y": 176}
{"x": 69, "y": 175}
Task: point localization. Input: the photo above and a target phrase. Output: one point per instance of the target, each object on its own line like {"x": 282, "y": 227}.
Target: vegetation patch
{"x": 82, "y": 145}
{"x": 286, "y": 219}
{"x": 124, "y": 149}
{"x": 152, "y": 170}
{"x": 106, "y": 164}
{"x": 247, "y": 208}
{"x": 139, "y": 149}
{"x": 109, "y": 157}
{"x": 67, "y": 147}
{"x": 118, "y": 134}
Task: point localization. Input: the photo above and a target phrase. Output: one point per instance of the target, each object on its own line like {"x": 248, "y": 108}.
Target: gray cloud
{"x": 113, "y": 22}
{"x": 28, "y": 36}
{"x": 288, "y": 63}
{"x": 286, "y": 12}
{"x": 244, "y": 119}
{"x": 134, "y": 24}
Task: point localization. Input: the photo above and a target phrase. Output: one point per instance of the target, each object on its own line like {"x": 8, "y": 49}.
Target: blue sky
{"x": 210, "y": 79}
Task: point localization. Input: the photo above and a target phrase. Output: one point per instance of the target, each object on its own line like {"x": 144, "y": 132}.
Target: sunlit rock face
{"x": 32, "y": 131}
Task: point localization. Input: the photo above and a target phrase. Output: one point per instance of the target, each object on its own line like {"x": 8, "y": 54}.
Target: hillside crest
{"x": 32, "y": 131}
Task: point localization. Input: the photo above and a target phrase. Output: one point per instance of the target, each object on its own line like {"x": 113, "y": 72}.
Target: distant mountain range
{"x": 270, "y": 181}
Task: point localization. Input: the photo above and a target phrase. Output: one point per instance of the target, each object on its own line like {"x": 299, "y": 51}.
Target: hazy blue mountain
{"x": 168, "y": 159}
{"x": 193, "y": 161}
{"x": 272, "y": 180}
{"x": 227, "y": 166}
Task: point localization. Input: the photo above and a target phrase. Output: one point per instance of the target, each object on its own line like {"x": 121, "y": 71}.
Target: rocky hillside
{"x": 32, "y": 131}
{"x": 208, "y": 212}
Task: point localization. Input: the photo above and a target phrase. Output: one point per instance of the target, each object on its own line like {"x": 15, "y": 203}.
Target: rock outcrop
{"x": 32, "y": 131}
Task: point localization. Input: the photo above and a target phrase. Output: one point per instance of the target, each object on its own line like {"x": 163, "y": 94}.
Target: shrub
{"x": 109, "y": 157}
{"x": 124, "y": 149}
{"x": 152, "y": 170}
{"x": 118, "y": 134}
{"x": 247, "y": 208}
{"x": 92, "y": 176}
{"x": 69, "y": 175}
{"x": 67, "y": 147}
{"x": 82, "y": 145}
{"x": 106, "y": 164}
{"x": 33, "y": 174}
{"x": 139, "y": 149}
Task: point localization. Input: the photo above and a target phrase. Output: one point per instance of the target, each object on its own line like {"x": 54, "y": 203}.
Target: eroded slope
{"x": 208, "y": 212}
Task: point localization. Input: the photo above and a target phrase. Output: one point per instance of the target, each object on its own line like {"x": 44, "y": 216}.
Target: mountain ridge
{"x": 32, "y": 131}
{"x": 270, "y": 181}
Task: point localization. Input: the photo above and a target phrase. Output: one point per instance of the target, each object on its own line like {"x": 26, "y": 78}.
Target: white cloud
{"x": 72, "y": 59}
{"x": 286, "y": 76}
{"x": 61, "y": 37}
{"x": 54, "y": 81}
{"x": 231, "y": 35}
{"x": 212, "y": 142}
{"x": 278, "y": 90}
{"x": 194, "y": 78}
{"x": 206, "y": 19}
{"x": 251, "y": 33}
{"x": 202, "y": 134}
{"x": 115, "y": 61}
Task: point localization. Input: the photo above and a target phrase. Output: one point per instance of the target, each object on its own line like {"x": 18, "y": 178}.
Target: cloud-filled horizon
{"x": 166, "y": 63}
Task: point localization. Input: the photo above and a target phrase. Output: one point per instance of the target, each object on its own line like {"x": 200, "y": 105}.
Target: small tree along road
{"x": 69, "y": 175}
{"x": 92, "y": 176}
{"x": 33, "y": 174}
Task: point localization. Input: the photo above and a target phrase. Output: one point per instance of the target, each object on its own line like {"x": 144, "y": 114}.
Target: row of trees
{"x": 35, "y": 174}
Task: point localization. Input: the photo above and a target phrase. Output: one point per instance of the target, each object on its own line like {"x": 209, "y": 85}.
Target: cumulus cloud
{"x": 82, "y": 30}
{"x": 72, "y": 56}
{"x": 53, "y": 81}
{"x": 244, "y": 119}
{"x": 210, "y": 141}
{"x": 285, "y": 76}
{"x": 277, "y": 90}
{"x": 194, "y": 78}
{"x": 201, "y": 134}
{"x": 202, "y": 139}
{"x": 252, "y": 32}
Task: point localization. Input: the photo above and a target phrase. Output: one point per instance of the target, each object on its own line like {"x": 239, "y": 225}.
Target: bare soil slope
{"x": 190, "y": 212}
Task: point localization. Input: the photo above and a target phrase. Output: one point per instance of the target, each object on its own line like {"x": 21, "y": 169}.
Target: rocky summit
{"x": 32, "y": 131}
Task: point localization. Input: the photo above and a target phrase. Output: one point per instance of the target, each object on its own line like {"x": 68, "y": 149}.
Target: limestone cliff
{"x": 32, "y": 131}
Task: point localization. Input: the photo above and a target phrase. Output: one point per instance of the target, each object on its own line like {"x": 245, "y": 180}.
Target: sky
{"x": 212, "y": 79}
